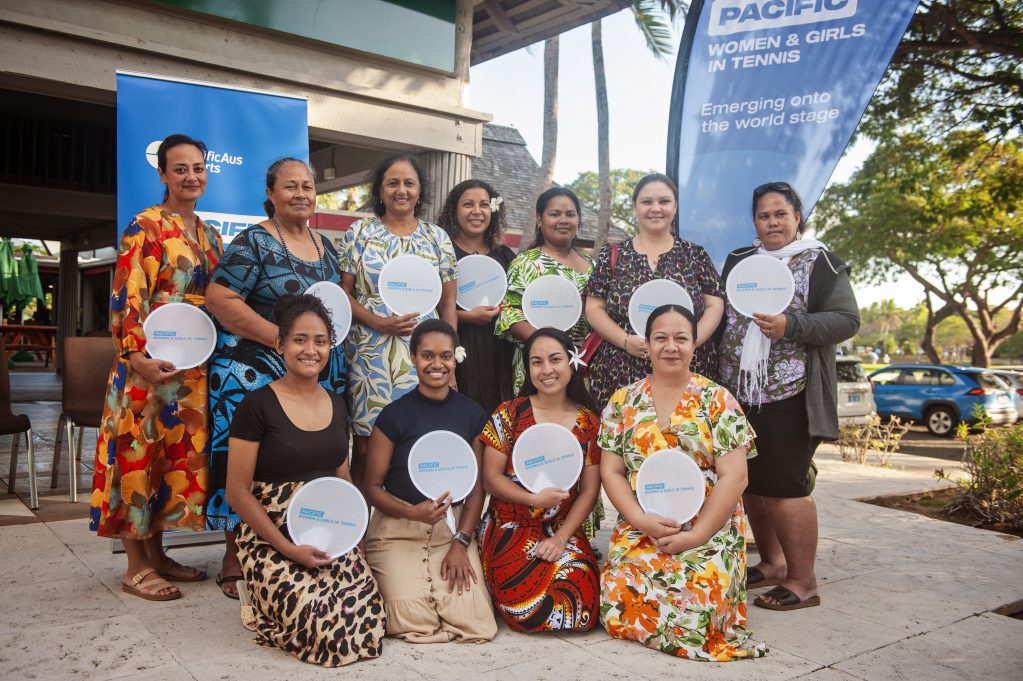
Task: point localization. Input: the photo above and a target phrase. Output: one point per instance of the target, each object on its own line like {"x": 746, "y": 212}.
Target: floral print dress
{"x": 528, "y": 266}
{"x": 532, "y": 594}
{"x": 151, "y": 470}
{"x": 381, "y": 367}
{"x": 691, "y": 604}
{"x": 685, "y": 264}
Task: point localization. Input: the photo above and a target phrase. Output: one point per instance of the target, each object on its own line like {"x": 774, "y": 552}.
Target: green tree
{"x": 960, "y": 64}
{"x": 623, "y": 180}
{"x": 950, "y": 215}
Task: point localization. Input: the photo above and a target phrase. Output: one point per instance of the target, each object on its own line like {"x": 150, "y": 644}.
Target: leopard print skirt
{"x": 331, "y": 616}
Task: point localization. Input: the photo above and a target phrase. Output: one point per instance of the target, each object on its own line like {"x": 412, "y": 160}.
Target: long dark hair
{"x": 788, "y": 192}
{"x": 541, "y": 206}
{"x": 271, "y": 178}
{"x": 576, "y": 390}
{"x": 659, "y": 177}
{"x": 290, "y": 307}
{"x": 378, "y": 182}
{"x": 448, "y": 221}
{"x": 171, "y": 141}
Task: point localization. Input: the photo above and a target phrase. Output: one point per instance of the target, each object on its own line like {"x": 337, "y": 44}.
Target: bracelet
{"x": 462, "y": 538}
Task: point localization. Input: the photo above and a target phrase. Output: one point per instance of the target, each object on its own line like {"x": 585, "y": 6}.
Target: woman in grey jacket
{"x": 782, "y": 370}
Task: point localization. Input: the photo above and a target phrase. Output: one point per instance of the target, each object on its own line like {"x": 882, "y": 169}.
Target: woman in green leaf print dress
{"x": 552, "y": 252}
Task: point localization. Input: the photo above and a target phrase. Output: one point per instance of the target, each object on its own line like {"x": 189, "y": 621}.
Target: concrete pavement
{"x": 903, "y": 597}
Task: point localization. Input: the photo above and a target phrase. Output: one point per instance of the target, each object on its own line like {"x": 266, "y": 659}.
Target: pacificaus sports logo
{"x": 736, "y": 16}
{"x": 214, "y": 158}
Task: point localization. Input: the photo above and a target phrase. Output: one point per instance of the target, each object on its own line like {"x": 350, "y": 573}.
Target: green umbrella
{"x": 28, "y": 277}
{"x": 10, "y": 284}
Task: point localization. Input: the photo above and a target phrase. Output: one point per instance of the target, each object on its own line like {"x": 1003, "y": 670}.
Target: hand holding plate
{"x": 481, "y": 315}
{"x": 678, "y": 542}
{"x": 657, "y": 526}
{"x": 549, "y": 497}
{"x": 154, "y": 371}
{"x": 309, "y": 556}
{"x": 397, "y": 325}
{"x": 430, "y": 511}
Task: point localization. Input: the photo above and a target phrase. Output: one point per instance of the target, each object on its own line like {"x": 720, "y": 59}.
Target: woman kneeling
{"x": 680, "y": 590}
{"x": 427, "y": 575}
{"x": 537, "y": 561}
{"x": 321, "y": 610}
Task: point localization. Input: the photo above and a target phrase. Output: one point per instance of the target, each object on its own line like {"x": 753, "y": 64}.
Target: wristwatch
{"x": 462, "y": 538}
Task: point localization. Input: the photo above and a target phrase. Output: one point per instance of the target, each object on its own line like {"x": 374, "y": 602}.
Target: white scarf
{"x": 756, "y": 347}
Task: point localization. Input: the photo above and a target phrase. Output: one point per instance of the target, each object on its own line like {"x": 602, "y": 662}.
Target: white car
{"x": 855, "y": 396}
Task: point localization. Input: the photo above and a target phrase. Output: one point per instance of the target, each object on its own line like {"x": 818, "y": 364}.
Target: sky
{"x": 639, "y": 92}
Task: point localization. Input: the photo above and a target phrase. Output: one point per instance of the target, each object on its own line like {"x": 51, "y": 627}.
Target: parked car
{"x": 1014, "y": 379}
{"x": 855, "y": 399}
{"x": 941, "y": 396}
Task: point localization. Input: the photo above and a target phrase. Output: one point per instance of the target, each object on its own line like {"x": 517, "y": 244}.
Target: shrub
{"x": 856, "y": 442}
{"x": 992, "y": 492}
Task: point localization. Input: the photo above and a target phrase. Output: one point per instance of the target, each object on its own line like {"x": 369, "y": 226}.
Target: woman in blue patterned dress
{"x": 278, "y": 256}
{"x": 378, "y": 344}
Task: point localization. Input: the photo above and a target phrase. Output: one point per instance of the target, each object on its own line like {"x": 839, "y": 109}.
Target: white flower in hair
{"x": 495, "y": 203}
{"x": 576, "y": 359}
{"x": 459, "y": 354}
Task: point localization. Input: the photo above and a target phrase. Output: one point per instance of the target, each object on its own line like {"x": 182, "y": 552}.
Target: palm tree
{"x": 649, "y": 17}
{"x": 550, "y": 114}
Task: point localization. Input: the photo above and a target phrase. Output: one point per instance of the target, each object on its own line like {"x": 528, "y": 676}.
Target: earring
{"x": 757, "y": 243}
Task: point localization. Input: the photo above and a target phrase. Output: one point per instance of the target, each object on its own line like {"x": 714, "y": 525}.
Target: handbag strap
{"x": 614, "y": 257}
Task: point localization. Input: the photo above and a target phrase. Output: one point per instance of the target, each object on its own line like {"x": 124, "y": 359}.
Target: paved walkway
{"x": 903, "y": 597}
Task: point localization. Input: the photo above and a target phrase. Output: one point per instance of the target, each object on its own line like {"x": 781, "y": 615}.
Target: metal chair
{"x": 87, "y": 363}
{"x": 16, "y": 424}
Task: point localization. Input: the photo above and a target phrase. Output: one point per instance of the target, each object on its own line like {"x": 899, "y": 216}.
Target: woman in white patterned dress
{"x": 377, "y": 348}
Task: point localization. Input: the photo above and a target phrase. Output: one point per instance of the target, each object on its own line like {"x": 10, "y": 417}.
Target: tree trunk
{"x": 550, "y": 115}
{"x": 603, "y": 138}
{"x": 933, "y": 319}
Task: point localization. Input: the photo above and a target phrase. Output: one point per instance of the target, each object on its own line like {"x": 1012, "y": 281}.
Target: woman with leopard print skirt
{"x": 321, "y": 610}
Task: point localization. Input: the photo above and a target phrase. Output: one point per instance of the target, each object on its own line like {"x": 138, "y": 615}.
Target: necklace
{"x": 319, "y": 254}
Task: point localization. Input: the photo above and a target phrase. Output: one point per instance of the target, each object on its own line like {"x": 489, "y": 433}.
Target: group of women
{"x": 231, "y": 441}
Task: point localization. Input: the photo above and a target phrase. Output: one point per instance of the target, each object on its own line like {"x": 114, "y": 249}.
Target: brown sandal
{"x": 786, "y": 600}
{"x": 196, "y": 575}
{"x": 150, "y": 591}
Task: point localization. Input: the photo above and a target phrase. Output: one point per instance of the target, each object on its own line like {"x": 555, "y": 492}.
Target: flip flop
{"x": 149, "y": 590}
{"x": 196, "y": 575}
{"x": 786, "y": 600}
{"x": 221, "y": 581}
{"x": 755, "y": 579}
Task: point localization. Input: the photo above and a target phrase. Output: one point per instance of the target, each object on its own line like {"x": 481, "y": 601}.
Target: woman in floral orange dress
{"x": 680, "y": 590}
{"x": 151, "y": 466}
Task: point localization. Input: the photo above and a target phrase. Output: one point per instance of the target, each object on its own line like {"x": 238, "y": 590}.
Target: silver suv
{"x": 855, "y": 396}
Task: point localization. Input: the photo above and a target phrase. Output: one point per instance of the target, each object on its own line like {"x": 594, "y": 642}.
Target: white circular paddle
{"x": 760, "y": 284}
{"x": 552, "y": 300}
{"x": 671, "y": 484}
{"x": 650, "y": 296}
{"x": 409, "y": 283}
{"x": 441, "y": 462}
{"x": 181, "y": 334}
{"x": 336, "y": 300}
{"x": 328, "y": 513}
{"x": 481, "y": 281}
{"x": 547, "y": 455}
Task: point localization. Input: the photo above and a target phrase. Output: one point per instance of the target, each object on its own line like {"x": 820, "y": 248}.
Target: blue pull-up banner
{"x": 245, "y": 131}
{"x": 770, "y": 90}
